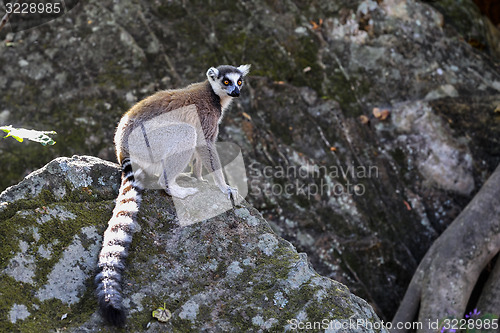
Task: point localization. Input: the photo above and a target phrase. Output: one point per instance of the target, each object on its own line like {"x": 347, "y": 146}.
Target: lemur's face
{"x": 227, "y": 80}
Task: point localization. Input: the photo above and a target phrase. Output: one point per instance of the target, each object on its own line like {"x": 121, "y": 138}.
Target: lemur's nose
{"x": 235, "y": 92}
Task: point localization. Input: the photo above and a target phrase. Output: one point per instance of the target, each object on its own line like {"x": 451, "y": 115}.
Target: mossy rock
{"x": 229, "y": 273}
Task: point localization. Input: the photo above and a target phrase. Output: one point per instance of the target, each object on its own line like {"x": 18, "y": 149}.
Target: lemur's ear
{"x": 244, "y": 69}
{"x": 212, "y": 73}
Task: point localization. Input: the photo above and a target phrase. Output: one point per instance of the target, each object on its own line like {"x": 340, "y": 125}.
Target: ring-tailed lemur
{"x": 160, "y": 136}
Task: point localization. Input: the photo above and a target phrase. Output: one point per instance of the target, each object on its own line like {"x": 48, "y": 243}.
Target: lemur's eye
{"x": 226, "y": 82}
{"x": 239, "y": 82}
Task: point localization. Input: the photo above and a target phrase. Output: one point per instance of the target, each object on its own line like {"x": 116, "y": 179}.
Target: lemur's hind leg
{"x": 170, "y": 149}
{"x": 177, "y": 159}
{"x": 172, "y": 187}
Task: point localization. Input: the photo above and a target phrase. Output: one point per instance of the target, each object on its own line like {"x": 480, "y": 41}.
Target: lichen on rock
{"x": 229, "y": 273}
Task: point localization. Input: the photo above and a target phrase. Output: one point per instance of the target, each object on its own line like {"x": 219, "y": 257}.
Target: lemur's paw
{"x": 185, "y": 174}
{"x": 232, "y": 192}
{"x": 182, "y": 192}
{"x": 201, "y": 179}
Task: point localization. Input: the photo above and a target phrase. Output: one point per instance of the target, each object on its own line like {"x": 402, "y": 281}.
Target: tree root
{"x": 446, "y": 276}
{"x": 489, "y": 302}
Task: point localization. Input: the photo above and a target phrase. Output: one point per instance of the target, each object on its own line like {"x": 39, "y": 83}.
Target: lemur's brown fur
{"x": 208, "y": 112}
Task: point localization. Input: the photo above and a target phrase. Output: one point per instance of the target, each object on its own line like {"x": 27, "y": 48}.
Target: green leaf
{"x": 33, "y": 135}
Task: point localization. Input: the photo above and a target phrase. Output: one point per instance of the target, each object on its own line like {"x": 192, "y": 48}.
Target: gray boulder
{"x": 231, "y": 273}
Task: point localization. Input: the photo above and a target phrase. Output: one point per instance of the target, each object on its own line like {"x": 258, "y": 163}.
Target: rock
{"x": 475, "y": 28}
{"x": 440, "y": 159}
{"x": 231, "y": 273}
{"x": 373, "y": 196}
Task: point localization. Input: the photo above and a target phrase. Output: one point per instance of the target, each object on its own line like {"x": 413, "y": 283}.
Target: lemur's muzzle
{"x": 235, "y": 92}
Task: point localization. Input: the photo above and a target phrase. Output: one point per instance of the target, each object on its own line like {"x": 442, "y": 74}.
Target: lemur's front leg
{"x": 211, "y": 161}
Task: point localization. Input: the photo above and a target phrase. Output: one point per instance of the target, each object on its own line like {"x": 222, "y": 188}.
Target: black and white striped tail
{"x": 117, "y": 239}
